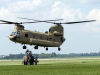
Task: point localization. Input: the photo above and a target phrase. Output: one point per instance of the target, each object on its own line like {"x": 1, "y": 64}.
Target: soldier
{"x": 26, "y": 57}
{"x": 27, "y": 51}
{"x": 25, "y": 61}
{"x": 36, "y": 61}
{"x": 31, "y": 58}
{"x": 30, "y": 54}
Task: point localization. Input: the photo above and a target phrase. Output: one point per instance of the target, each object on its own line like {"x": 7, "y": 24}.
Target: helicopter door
{"x": 23, "y": 37}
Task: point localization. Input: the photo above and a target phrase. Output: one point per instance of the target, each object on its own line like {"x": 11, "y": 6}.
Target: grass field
{"x": 52, "y": 67}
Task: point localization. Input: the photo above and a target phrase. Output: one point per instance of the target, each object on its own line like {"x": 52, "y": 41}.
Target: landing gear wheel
{"x": 24, "y": 47}
{"x": 59, "y": 49}
{"x": 46, "y": 49}
{"x": 36, "y": 47}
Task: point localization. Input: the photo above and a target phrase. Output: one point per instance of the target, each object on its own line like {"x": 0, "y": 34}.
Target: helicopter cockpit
{"x": 14, "y": 33}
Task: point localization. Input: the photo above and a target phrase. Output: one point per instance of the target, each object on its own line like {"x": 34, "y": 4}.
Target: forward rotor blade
{"x": 3, "y": 23}
{"x": 8, "y": 22}
{"x": 40, "y": 20}
{"x": 29, "y": 22}
{"x": 25, "y": 18}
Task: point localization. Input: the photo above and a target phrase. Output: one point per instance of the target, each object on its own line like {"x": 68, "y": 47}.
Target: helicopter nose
{"x": 12, "y": 37}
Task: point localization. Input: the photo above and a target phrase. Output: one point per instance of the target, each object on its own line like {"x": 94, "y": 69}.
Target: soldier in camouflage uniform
{"x": 25, "y": 58}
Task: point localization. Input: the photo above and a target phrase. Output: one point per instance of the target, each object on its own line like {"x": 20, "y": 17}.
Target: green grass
{"x": 52, "y": 67}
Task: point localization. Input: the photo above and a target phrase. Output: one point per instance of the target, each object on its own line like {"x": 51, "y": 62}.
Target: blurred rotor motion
{"x": 57, "y": 20}
{"x": 40, "y": 20}
{"x": 16, "y": 23}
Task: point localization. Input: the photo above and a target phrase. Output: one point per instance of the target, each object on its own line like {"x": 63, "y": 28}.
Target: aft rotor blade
{"x": 71, "y": 22}
{"x": 8, "y": 22}
{"x": 50, "y": 22}
{"x": 78, "y": 22}
{"x": 53, "y": 20}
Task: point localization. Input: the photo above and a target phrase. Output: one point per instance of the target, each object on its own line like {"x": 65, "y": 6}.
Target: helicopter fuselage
{"x": 36, "y": 38}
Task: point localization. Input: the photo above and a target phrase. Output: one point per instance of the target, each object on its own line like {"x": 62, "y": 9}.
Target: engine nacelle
{"x": 55, "y": 33}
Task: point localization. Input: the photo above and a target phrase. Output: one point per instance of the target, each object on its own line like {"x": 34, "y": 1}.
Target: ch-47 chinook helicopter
{"x": 53, "y": 38}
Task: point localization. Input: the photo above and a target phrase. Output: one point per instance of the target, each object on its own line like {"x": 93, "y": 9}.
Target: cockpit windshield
{"x": 14, "y": 33}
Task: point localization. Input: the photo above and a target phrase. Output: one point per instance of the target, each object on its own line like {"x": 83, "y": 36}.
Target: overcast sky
{"x": 80, "y": 38}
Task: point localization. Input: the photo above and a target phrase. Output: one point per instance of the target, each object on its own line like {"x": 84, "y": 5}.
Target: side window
{"x": 54, "y": 39}
{"x": 26, "y": 35}
{"x": 40, "y": 37}
{"x": 47, "y": 38}
{"x": 49, "y": 30}
{"x": 33, "y": 36}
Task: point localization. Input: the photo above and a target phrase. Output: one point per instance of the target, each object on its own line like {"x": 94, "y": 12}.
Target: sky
{"x": 80, "y": 38}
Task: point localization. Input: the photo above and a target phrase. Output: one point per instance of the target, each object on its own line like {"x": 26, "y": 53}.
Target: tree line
{"x": 52, "y": 55}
